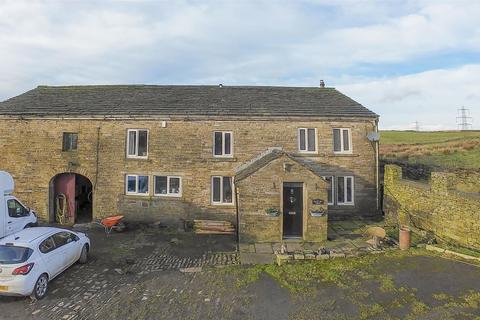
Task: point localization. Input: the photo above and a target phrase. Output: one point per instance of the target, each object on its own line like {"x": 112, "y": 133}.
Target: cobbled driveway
{"x": 117, "y": 262}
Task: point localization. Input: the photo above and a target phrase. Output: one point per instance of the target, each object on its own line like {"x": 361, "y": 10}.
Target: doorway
{"x": 292, "y": 210}
{"x": 71, "y": 198}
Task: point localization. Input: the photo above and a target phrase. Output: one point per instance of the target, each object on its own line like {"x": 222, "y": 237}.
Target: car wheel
{"x": 83, "y": 255}
{"x": 41, "y": 287}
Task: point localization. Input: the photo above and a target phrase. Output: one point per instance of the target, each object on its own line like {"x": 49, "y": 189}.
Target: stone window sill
{"x": 223, "y": 205}
{"x": 310, "y": 155}
{"x": 138, "y": 196}
{"x": 225, "y": 159}
{"x": 345, "y": 155}
{"x": 330, "y": 155}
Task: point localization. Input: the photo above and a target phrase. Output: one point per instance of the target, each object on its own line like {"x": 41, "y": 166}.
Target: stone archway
{"x": 71, "y": 196}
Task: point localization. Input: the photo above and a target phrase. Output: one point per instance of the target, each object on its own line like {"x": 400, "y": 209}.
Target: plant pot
{"x": 404, "y": 238}
{"x": 272, "y": 212}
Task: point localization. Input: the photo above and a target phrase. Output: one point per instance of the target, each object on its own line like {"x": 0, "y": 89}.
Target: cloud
{"x": 241, "y": 42}
{"x": 431, "y": 98}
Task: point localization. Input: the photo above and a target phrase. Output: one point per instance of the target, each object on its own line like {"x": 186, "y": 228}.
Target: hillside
{"x": 447, "y": 149}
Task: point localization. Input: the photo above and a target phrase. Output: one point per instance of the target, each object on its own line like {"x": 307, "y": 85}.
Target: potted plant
{"x": 272, "y": 212}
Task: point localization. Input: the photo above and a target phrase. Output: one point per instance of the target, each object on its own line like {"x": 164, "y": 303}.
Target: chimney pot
{"x": 322, "y": 84}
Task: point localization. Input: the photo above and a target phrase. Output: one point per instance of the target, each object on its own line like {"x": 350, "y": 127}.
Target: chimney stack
{"x": 322, "y": 84}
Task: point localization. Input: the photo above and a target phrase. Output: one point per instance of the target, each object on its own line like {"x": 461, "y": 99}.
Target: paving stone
{"x": 309, "y": 256}
{"x": 191, "y": 269}
{"x": 245, "y": 247}
{"x": 294, "y": 246}
{"x": 283, "y": 258}
{"x": 256, "y": 258}
{"x": 263, "y": 248}
{"x": 298, "y": 256}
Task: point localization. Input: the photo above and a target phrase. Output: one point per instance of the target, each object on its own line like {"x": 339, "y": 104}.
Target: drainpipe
{"x": 237, "y": 216}
{"x": 96, "y": 172}
{"x": 377, "y": 167}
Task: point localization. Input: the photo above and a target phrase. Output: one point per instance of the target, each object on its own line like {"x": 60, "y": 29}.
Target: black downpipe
{"x": 238, "y": 219}
{"x": 97, "y": 159}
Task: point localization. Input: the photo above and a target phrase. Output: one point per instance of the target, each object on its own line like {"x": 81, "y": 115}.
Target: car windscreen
{"x": 13, "y": 254}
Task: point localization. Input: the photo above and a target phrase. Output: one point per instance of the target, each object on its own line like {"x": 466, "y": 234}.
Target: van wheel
{"x": 83, "y": 255}
{"x": 41, "y": 287}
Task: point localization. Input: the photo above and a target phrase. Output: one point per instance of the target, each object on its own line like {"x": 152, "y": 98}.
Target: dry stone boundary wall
{"x": 439, "y": 206}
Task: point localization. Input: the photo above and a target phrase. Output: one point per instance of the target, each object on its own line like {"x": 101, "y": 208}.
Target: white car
{"x": 29, "y": 259}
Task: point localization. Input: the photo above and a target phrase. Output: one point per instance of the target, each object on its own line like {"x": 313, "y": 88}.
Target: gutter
{"x": 302, "y": 118}
{"x": 377, "y": 167}
{"x": 97, "y": 163}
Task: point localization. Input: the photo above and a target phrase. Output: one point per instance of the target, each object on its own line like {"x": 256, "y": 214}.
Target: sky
{"x": 406, "y": 60}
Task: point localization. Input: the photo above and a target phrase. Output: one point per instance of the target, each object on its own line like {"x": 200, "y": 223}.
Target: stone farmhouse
{"x": 279, "y": 162}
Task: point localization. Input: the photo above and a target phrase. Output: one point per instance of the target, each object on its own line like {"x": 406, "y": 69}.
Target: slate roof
{"x": 156, "y": 100}
{"x": 263, "y": 159}
{"x": 323, "y": 169}
{"x": 257, "y": 163}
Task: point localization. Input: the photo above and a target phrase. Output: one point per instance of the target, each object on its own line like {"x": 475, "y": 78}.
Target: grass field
{"x": 449, "y": 149}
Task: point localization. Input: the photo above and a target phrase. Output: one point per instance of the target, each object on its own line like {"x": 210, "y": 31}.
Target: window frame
{"x": 136, "y": 193}
{"x": 223, "y": 155}
{"x": 136, "y": 156}
{"x": 221, "y": 202}
{"x": 70, "y": 146}
{"x": 70, "y": 235}
{"x": 306, "y": 141}
{"x": 51, "y": 249}
{"x": 332, "y": 189}
{"x": 345, "y": 202}
{"x": 26, "y": 212}
{"x": 168, "y": 194}
{"x": 342, "y": 145}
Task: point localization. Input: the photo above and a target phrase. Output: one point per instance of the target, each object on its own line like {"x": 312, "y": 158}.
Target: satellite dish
{"x": 373, "y": 136}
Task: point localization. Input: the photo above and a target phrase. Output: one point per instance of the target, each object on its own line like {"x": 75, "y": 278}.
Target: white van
{"x": 14, "y": 216}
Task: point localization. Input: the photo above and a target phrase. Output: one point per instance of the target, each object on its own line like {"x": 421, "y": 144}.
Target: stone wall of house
{"x": 31, "y": 150}
{"x": 264, "y": 190}
{"x": 438, "y": 207}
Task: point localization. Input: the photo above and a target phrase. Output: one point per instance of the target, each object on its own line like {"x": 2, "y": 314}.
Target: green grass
{"x": 413, "y": 137}
{"x": 302, "y": 276}
{"x": 459, "y": 159}
{"x": 447, "y": 149}
{"x": 299, "y": 277}
{"x": 467, "y": 251}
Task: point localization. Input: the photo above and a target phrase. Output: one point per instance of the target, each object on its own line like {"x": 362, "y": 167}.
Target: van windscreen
{"x": 13, "y": 254}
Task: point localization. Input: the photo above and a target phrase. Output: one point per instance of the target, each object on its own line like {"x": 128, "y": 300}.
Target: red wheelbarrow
{"x": 112, "y": 223}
